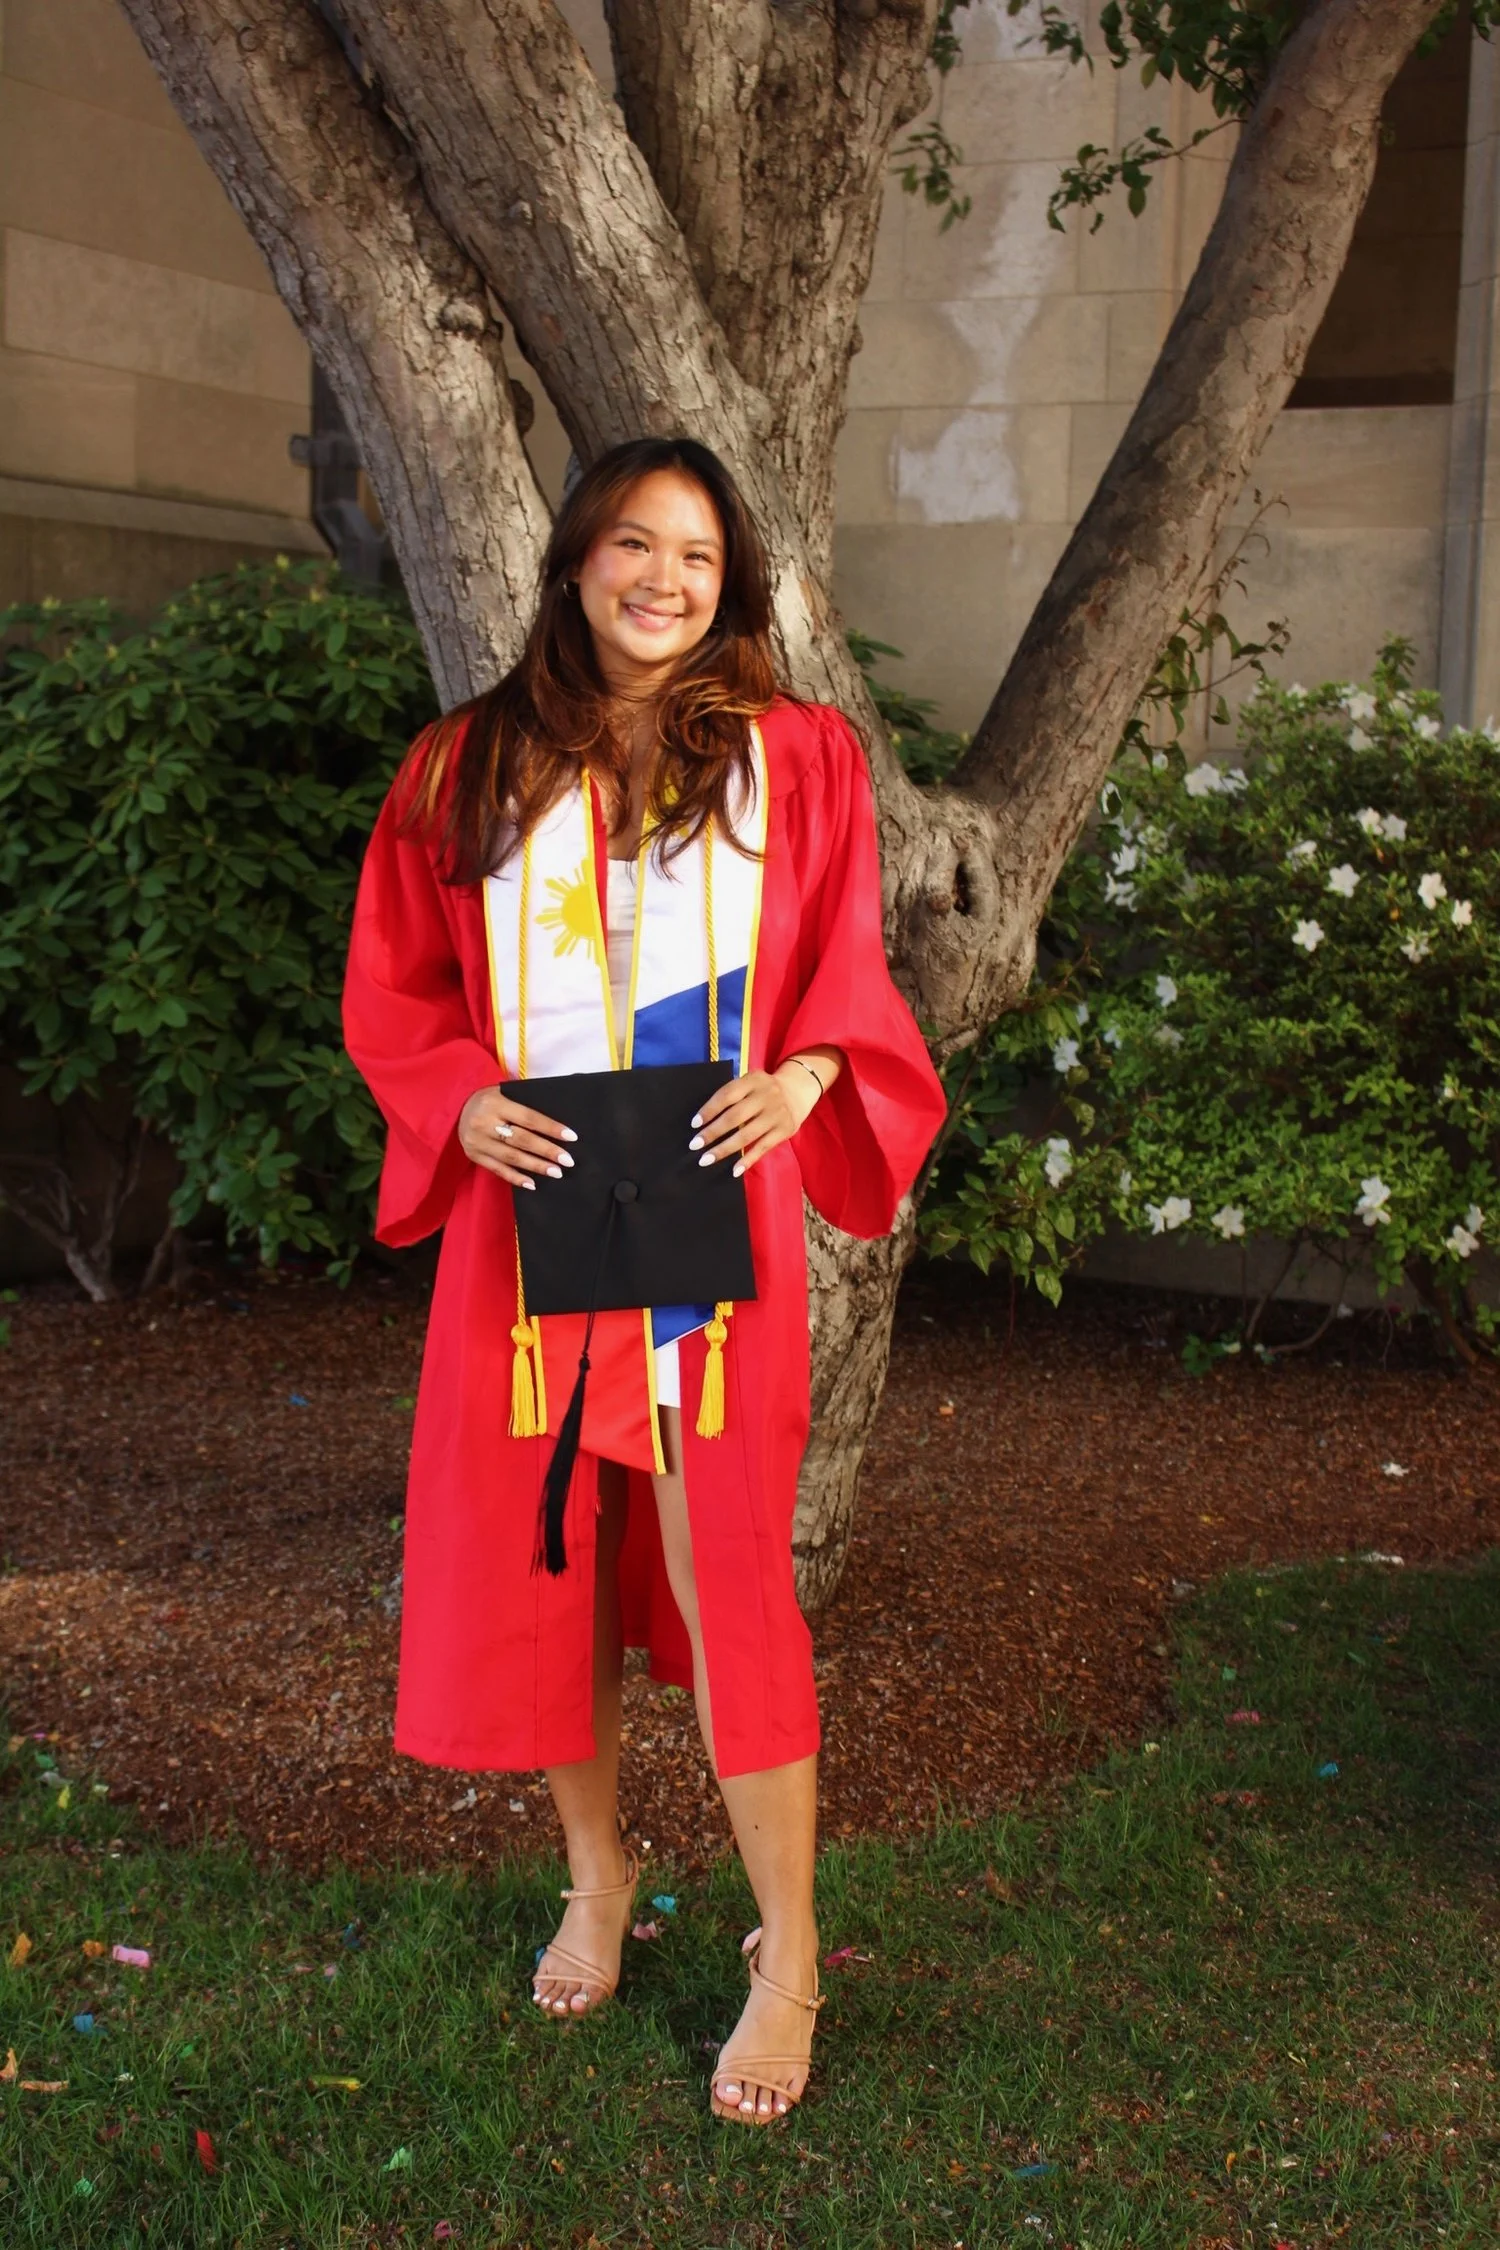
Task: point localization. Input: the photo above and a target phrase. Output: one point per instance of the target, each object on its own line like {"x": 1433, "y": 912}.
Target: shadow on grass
{"x": 1222, "y": 1994}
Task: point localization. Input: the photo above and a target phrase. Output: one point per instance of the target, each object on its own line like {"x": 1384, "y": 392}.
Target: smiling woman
{"x": 633, "y": 853}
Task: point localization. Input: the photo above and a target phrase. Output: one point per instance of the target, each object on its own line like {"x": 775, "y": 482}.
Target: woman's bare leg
{"x": 774, "y": 1817}
{"x": 587, "y": 1794}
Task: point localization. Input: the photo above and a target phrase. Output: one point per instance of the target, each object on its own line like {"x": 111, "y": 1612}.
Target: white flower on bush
{"x": 1394, "y": 827}
{"x": 1462, "y": 1242}
{"x": 1474, "y": 1219}
{"x": 1127, "y": 1179}
{"x": 1359, "y": 703}
{"x": 1111, "y": 1035}
{"x": 1065, "y": 1057}
{"x": 1309, "y": 935}
{"x": 1167, "y": 1035}
{"x": 1463, "y": 913}
{"x": 1117, "y": 893}
{"x": 1059, "y": 1162}
{"x": 1307, "y": 849}
{"x": 1431, "y": 889}
{"x": 1159, "y": 761}
{"x": 1344, "y": 880}
{"x": 1126, "y": 860}
{"x": 1204, "y": 780}
{"x": 1450, "y": 1089}
{"x": 1370, "y": 821}
{"x": 1296, "y": 693}
{"x": 1166, "y": 1217}
{"x": 1358, "y": 739}
{"x": 1081, "y": 1012}
{"x": 1166, "y": 991}
{"x": 1230, "y": 1221}
{"x": 1417, "y": 948}
{"x": 1428, "y": 729}
{"x": 1374, "y": 1195}
{"x": 1234, "y": 782}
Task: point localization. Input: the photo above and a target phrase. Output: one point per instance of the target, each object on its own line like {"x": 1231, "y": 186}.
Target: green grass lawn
{"x": 1213, "y": 1996}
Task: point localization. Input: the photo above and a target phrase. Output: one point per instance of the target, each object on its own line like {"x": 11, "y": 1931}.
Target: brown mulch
{"x": 199, "y": 1528}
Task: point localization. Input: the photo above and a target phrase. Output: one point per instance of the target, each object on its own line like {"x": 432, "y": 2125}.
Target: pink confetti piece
{"x": 837, "y": 1960}
{"x": 645, "y": 1930}
{"x": 130, "y": 1956}
{"x": 205, "y": 2147}
{"x": 1243, "y": 1719}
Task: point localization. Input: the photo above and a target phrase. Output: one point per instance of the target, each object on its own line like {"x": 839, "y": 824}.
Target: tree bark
{"x": 1147, "y": 539}
{"x": 393, "y": 311}
{"x": 768, "y": 132}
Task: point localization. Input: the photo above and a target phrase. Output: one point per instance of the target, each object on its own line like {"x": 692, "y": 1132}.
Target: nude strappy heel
{"x": 770, "y": 2071}
{"x": 579, "y": 1970}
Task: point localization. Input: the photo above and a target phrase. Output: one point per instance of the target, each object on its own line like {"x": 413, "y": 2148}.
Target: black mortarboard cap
{"x": 635, "y": 1220}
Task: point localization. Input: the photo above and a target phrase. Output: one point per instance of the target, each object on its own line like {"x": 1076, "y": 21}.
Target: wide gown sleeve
{"x": 408, "y": 1025}
{"x": 864, "y": 1142}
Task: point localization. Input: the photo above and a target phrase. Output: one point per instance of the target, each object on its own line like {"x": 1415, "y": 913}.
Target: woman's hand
{"x": 514, "y": 1142}
{"x": 754, "y": 1114}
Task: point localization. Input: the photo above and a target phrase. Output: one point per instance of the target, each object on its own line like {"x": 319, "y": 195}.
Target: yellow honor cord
{"x": 528, "y": 1385}
{"x": 711, "y": 1398}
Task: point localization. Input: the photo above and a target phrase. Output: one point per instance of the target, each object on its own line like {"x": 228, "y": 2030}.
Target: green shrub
{"x": 1274, "y": 1008}
{"x": 184, "y": 810}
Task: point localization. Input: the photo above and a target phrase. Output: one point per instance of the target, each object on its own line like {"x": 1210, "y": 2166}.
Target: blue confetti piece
{"x": 664, "y": 1903}
{"x": 87, "y": 2027}
{"x": 295, "y": 1398}
{"x": 536, "y": 1957}
{"x": 1330, "y": 1772}
{"x": 1032, "y": 2171}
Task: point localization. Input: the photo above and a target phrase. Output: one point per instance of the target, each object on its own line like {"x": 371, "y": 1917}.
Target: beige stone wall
{"x": 150, "y": 378}
{"x": 1000, "y": 365}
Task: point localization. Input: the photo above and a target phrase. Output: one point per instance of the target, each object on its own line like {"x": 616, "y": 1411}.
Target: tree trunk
{"x": 768, "y": 138}
{"x": 392, "y": 310}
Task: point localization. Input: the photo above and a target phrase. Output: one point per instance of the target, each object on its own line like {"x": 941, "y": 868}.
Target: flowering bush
{"x": 1292, "y": 1021}
{"x": 184, "y": 811}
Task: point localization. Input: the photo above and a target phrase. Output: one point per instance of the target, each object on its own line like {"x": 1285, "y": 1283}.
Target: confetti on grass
{"x": 20, "y": 1951}
{"x": 130, "y": 1956}
{"x": 204, "y": 2143}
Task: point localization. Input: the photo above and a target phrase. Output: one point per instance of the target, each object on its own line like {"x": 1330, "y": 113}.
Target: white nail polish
{"x": 739, "y": 1170}
{"x": 564, "y": 1158}
{"x": 530, "y": 1183}
{"x": 569, "y": 1134}
{"x": 706, "y": 1159}
{"x": 554, "y": 1171}
{"x": 695, "y": 1122}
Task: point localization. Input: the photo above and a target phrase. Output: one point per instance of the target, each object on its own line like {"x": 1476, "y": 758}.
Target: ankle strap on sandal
{"x": 784, "y": 1992}
{"x": 611, "y": 1890}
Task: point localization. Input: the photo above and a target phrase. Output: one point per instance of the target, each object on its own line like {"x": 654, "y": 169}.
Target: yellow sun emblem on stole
{"x": 572, "y": 914}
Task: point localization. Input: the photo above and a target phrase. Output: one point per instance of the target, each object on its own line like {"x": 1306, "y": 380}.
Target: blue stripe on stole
{"x": 675, "y": 1030}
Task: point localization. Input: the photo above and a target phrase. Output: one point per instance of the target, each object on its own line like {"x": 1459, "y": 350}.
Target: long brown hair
{"x": 492, "y": 768}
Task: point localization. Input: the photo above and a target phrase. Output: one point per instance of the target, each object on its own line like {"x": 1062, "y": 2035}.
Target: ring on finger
{"x": 504, "y": 1132}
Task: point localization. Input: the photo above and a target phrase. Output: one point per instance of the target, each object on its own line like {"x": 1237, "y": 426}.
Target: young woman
{"x": 558, "y": 871}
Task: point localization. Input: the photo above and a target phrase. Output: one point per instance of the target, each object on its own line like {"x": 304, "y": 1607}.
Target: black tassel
{"x": 559, "y": 1477}
{"x": 551, "y": 1548}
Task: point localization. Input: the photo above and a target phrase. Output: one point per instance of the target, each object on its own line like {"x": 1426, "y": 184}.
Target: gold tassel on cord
{"x": 522, "y": 1387}
{"x": 528, "y": 1389}
{"x": 711, "y": 1403}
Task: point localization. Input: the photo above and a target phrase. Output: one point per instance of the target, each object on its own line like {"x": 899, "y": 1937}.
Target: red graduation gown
{"x": 496, "y": 1658}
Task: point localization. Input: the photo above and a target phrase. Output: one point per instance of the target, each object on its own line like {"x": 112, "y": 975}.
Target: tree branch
{"x": 1296, "y": 186}
{"x": 392, "y": 309}
{"x": 768, "y": 132}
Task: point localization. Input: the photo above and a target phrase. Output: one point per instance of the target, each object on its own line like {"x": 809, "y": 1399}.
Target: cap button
{"x": 626, "y": 1191}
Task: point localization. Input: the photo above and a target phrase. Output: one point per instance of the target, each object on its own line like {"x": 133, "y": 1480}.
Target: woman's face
{"x": 651, "y": 581}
